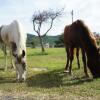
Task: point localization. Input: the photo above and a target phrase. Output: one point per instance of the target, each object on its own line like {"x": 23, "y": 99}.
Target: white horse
{"x": 14, "y": 36}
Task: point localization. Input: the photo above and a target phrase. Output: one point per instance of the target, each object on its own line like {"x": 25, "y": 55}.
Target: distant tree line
{"x": 54, "y": 41}
{"x": 60, "y": 41}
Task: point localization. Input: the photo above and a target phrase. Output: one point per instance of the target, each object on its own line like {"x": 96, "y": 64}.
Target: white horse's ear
{"x": 23, "y": 53}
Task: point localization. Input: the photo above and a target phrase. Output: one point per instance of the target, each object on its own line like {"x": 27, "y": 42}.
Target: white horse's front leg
{"x": 5, "y": 53}
{"x": 17, "y": 76}
{"x": 24, "y": 75}
{"x": 5, "y": 62}
{"x": 21, "y": 77}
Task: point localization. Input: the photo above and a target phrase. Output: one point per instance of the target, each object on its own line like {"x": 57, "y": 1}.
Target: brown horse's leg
{"x": 67, "y": 64}
{"x": 71, "y": 59}
{"x": 84, "y": 62}
{"x": 77, "y": 55}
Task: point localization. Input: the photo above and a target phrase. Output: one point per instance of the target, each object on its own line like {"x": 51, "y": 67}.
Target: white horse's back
{"x": 14, "y": 32}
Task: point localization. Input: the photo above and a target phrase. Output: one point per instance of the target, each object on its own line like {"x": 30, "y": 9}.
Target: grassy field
{"x": 46, "y": 80}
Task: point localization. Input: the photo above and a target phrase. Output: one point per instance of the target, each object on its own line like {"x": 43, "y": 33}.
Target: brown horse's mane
{"x": 86, "y": 33}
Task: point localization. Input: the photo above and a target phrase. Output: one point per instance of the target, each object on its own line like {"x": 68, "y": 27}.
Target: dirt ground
{"x": 40, "y": 96}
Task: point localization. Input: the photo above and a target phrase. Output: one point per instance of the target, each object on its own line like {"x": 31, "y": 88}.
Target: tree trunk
{"x": 41, "y": 43}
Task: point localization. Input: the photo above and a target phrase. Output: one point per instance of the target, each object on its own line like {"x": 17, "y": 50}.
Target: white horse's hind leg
{"x": 12, "y": 63}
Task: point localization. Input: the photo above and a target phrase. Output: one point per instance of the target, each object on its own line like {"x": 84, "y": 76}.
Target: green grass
{"x": 52, "y": 82}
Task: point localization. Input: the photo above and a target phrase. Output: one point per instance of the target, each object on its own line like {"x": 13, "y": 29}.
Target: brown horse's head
{"x": 94, "y": 64}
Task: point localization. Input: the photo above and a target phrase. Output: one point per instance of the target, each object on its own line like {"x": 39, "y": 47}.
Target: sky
{"x": 22, "y": 10}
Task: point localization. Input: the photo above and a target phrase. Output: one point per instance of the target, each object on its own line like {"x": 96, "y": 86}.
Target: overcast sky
{"x": 22, "y": 10}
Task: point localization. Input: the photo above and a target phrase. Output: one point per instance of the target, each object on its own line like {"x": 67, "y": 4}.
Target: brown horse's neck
{"x": 90, "y": 48}
{"x": 88, "y": 41}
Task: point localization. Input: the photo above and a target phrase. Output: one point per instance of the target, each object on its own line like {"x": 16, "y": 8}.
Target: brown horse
{"x": 78, "y": 35}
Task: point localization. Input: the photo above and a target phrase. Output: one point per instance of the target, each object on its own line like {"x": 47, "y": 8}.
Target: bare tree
{"x": 41, "y": 18}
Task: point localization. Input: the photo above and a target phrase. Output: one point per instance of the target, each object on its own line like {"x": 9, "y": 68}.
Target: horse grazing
{"x": 78, "y": 35}
{"x": 14, "y": 37}
{"x": 70, "y": 45}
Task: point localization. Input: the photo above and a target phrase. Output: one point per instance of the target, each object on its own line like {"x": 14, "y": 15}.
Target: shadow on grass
{"x": 54, "y": 78}
{"x": 5, "y": 76}
{"x": 49, "y": 79}
{"x": 1, "y": 69}
{"x": 7, "y": 80}
{"x": 77, "y": 81}
{"x": 38, "y": 54}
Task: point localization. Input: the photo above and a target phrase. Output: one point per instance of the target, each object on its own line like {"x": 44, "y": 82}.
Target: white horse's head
{"x": 20, "y": 64}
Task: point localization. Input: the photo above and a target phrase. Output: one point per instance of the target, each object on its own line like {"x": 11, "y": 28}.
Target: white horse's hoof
{"x": 20, "y": 80}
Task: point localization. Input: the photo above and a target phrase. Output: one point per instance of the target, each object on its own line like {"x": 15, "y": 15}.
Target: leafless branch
{"x": 49, "y": 28}
{"x": 34, "y": 26}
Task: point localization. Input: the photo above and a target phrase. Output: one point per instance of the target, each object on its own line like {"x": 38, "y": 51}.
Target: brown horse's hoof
{"x": 66, "y": 71}
{"x": 87, "y": 76}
